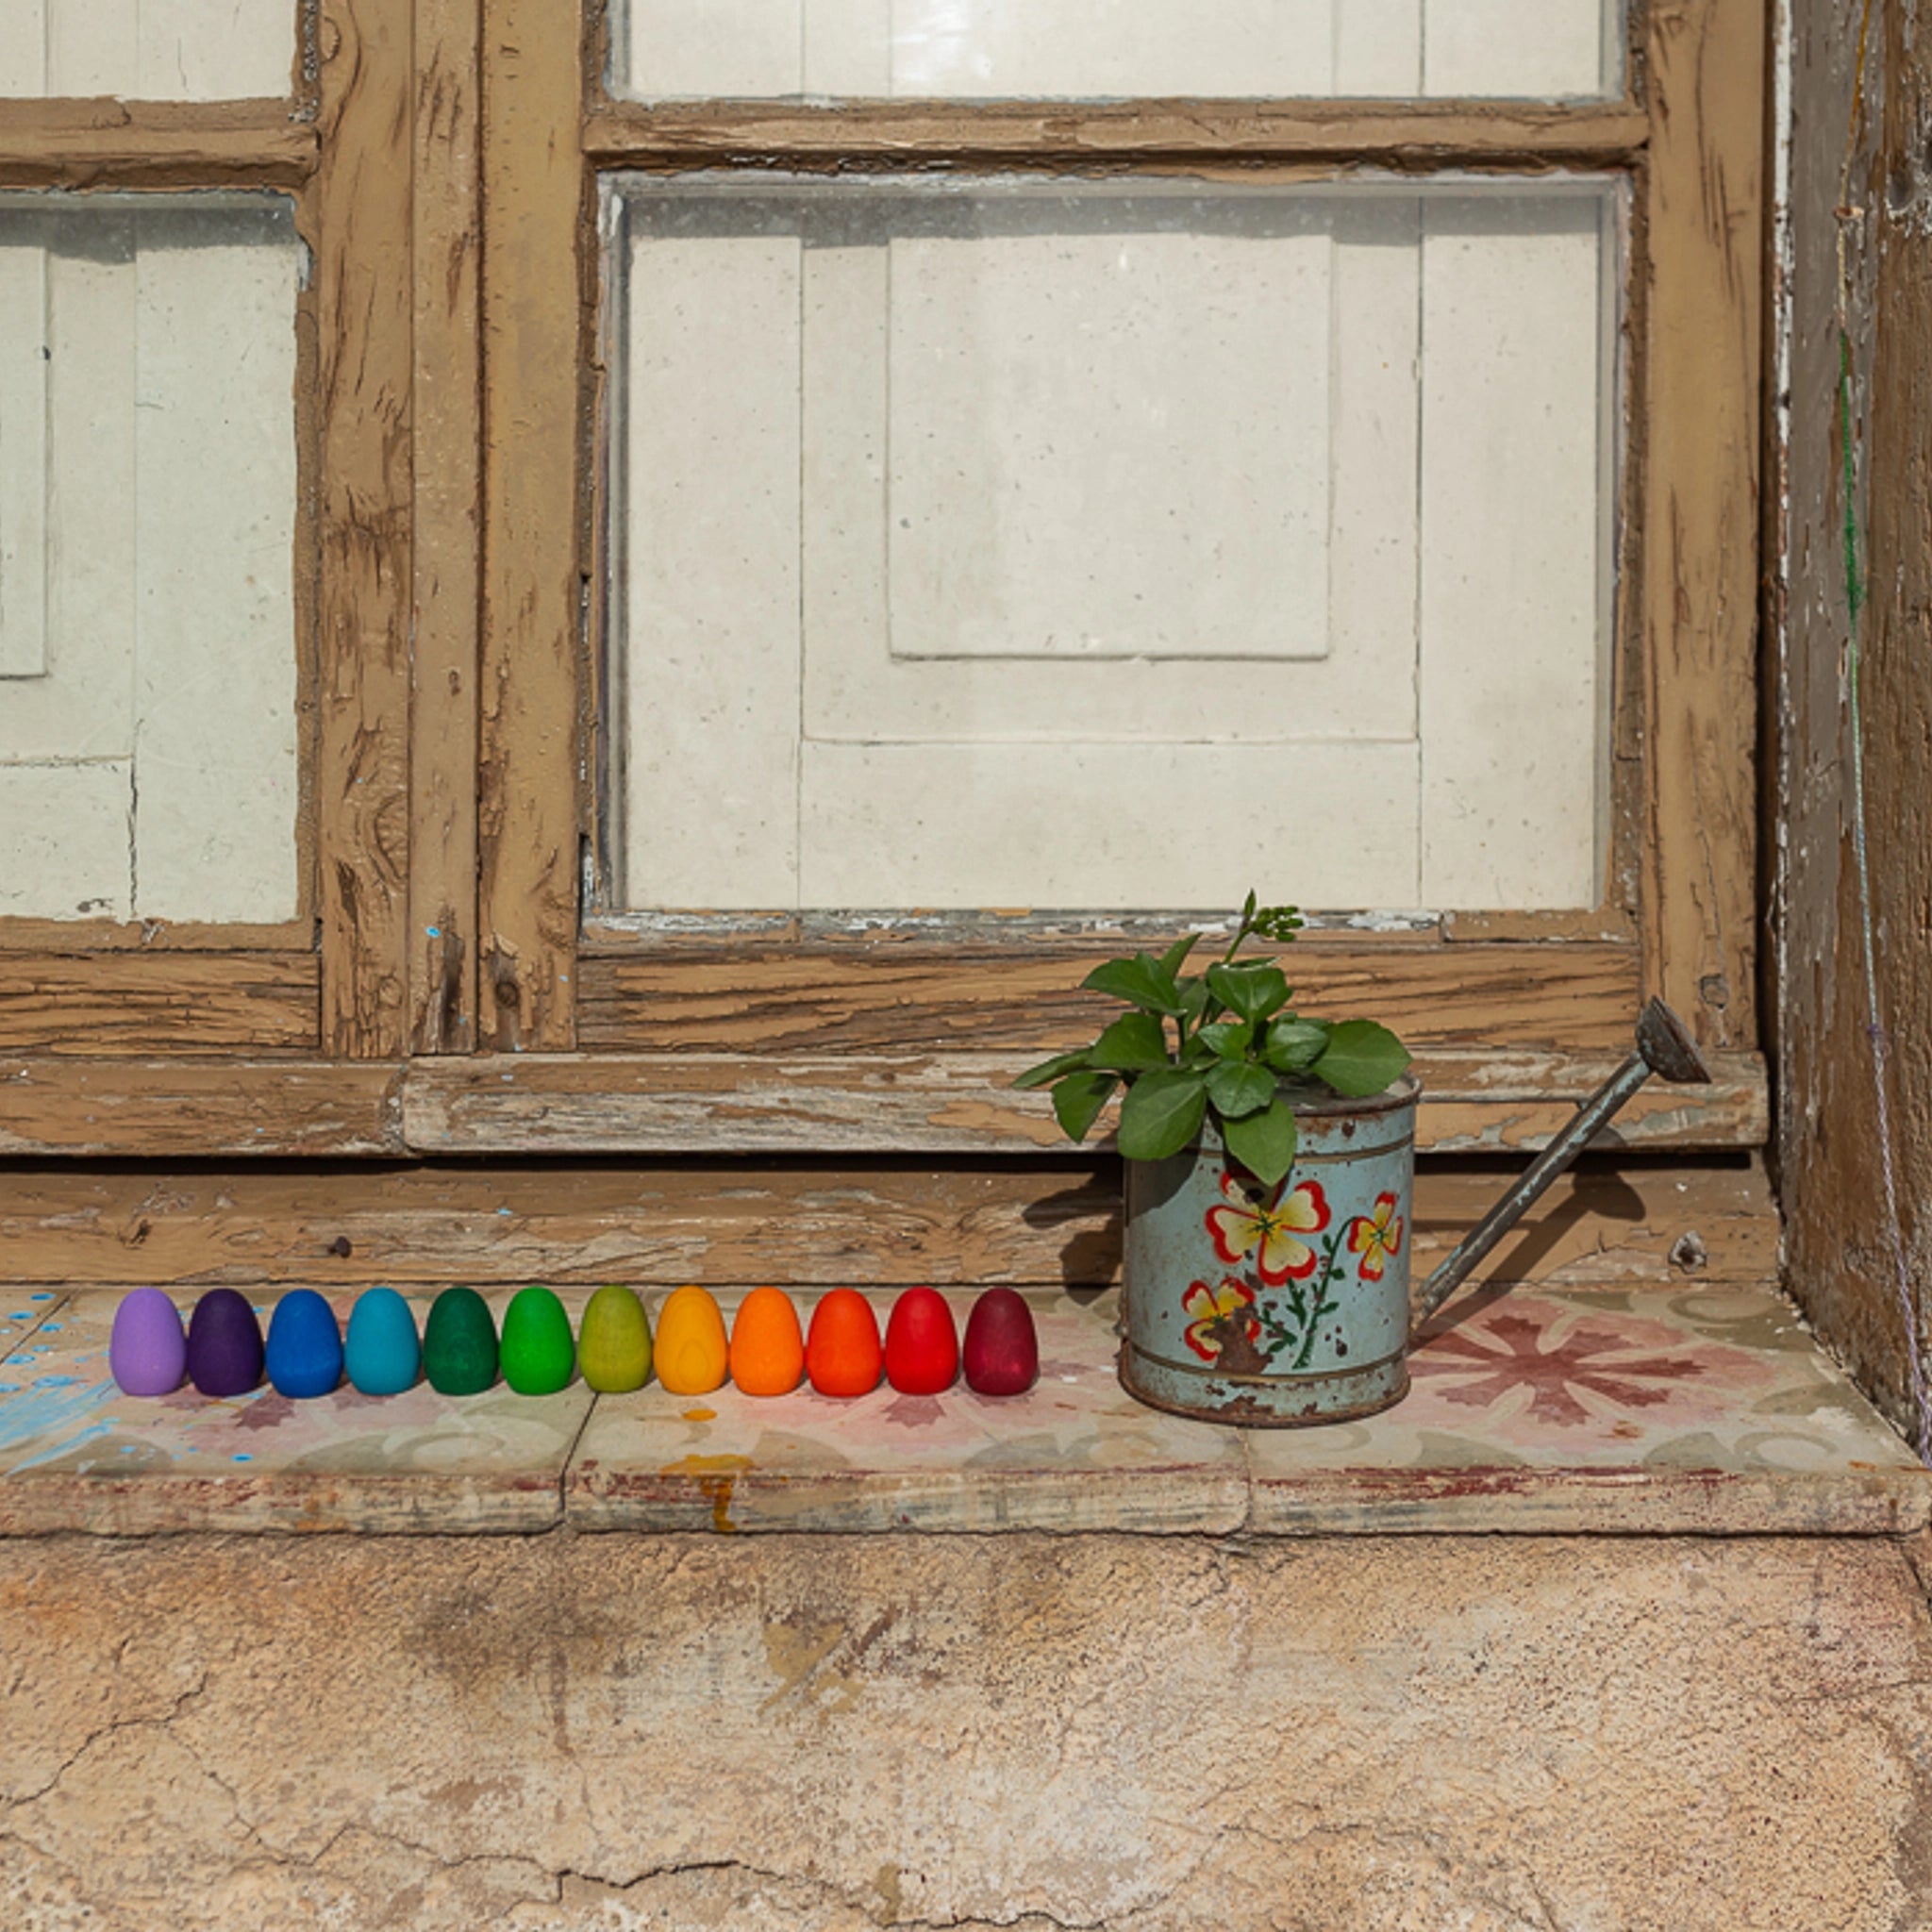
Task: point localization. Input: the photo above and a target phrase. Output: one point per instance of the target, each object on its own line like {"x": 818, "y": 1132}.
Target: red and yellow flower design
{"x": 1377, "y": 1237}
{"x": 1268, "y": 1224}
{"x": 1210, "y": 1308}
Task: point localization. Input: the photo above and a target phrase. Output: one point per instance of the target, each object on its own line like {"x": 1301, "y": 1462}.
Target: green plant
{"x": 1214, "y": 1044}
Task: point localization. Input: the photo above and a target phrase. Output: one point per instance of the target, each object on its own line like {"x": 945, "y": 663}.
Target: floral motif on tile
{"x": 1581, "y": 1367}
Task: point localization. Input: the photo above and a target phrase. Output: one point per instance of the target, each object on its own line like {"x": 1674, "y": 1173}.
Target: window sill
{"x": 1699, "y": 1411}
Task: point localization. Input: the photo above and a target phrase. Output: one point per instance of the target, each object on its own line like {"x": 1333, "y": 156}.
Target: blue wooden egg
{"x": 383, "y": 1355}
{"x": 305, "y": 1346}
{"x": 147, "y": 1351}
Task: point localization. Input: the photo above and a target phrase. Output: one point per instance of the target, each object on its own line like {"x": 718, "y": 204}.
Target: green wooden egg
{"x": 459, "y": 1344}
{"x": 614, "y": 1344}
{"x": 539, "y": 1356}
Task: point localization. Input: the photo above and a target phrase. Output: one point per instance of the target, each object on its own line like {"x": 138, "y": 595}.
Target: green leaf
{"x": 1048, "y": 1071}
{"x": 1135, "y": 1043}
{"x": 1176, "y": 955}
{"x": 1253, "y": 992}
{"x": 1238, "y": 1088}
{"x": 1230, "y": 1038}
{"x": 1362, "y": 1058}
{"x": 1077, "y": 1101}
{"x": 1194, "y": 1000}
{"x": 1294, "y": 1045}
{"x": 1265, "y": 1143}
{"x": 1142, "y": 981}
{"x": 1161, "y": 1113}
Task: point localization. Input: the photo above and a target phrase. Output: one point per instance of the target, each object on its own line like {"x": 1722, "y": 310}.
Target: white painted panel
{"x": 718, "y": 48}
{"x": 1110, "y": 443}
{"x": 85, "y": 706}
{"x": 1521, "y": 47}
{"x": 1101, "y": 826}
{"x": 1378, "y": 47}
{"x": 848, "y": 47}
{"x": 1364, "y": 684}
{"x": 94, "y": 48}
{"x": 713, "y": 571}
{"x": 64, "y": 840}
{"x": 1104, "y": 49}
{"x": 1112, "y": 47}
{"x": 23, "y": 461}
{"x": 153, "y": 49}
{"x": 1513, "y": 612}
{"x": 24, "y": 47}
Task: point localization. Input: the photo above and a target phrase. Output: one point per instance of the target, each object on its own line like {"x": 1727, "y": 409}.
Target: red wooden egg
{"x": 922, "y": 1344}
{"x": 1002, "y": 1349}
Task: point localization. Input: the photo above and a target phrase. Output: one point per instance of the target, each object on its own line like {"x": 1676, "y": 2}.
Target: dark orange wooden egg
{"x": 842, "y": 1356}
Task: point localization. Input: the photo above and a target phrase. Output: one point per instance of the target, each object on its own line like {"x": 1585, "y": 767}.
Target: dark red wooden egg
{"x": 1002, "y": 1348}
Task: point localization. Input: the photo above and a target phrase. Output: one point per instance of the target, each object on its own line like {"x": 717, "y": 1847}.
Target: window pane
{"x": 147, "y": 509}
{"x": 1110, "y": 544}
{"x": 148, "y": 50}
{"x": 1096, "y": 49}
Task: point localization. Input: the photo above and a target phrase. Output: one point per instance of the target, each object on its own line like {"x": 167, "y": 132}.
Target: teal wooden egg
{"x": 539, "y": 1356}
{"x": 382, "y": 1354}
{"x": 459, "y": 1344}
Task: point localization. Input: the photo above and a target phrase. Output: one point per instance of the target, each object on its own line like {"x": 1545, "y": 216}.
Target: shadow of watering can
{"x": 1289, "y": 1305}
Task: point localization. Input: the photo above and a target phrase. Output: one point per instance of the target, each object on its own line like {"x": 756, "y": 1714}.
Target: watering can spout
{"x": 1663, "y": 1047}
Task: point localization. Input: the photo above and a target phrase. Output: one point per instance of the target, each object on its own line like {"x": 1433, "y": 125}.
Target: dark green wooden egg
{"x": 459, "y": 1344}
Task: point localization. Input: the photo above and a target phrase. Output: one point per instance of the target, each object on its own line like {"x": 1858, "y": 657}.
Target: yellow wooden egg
{"x": 691, "y": 1354}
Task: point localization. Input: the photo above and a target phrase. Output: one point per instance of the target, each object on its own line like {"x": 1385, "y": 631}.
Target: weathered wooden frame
{"x": 453, "y": 357}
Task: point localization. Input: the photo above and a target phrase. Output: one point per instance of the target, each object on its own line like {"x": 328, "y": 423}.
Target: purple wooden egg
{"x": 147, "y": 1351}
{"x": 224, "y": 1344}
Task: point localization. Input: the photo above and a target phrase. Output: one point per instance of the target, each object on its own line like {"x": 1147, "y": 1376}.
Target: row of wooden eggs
{"x": 222, "y": 1353}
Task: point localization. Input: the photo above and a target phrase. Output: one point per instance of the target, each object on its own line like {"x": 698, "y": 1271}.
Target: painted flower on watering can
{"x": 1211, "y": 1310}
{"x": 1268, "y": 1223}
{"x": 1376, "y": 1238}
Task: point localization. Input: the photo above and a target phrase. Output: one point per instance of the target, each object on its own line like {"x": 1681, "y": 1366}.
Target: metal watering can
{"x": 1289, "y": 1305}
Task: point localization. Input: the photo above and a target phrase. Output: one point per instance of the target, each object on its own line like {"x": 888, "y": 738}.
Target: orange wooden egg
{"x": 692, "y": 1353}
{"x": 767, "y": 1350}
{"x": 842, "y": 1354}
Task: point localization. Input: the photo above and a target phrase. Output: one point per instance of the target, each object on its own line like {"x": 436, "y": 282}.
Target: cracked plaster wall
{"x": 823, "y": 1734}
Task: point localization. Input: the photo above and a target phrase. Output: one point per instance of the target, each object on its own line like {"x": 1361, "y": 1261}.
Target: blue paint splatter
{"x": 54, "y": 1411}
{"x": 44, "y": 1296}
{"x": 52, "y": 1327}
{"x": 244, "y": 1458}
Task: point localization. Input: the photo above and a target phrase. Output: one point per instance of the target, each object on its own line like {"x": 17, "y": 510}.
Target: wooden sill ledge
{"x": 1706, "y": 1411}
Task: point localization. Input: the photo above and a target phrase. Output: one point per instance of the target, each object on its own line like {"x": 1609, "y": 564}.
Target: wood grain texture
{"x": 896, "y": 996}
{"x": 447, "y": 451}
{"x": 158, "y": 1002}
{"x": 1420, "y": 134}
{"x": 196, "y": 1109}
{"x": 359, "y": 217}
{"x": 1861, "y": 183}
{"x": 879, "y": 1224}
{"x": 1704, "y": 213}
{"x": 963, "y": 1103}
{"x": 108, "y": 143}
{"x": 534, "y": 335}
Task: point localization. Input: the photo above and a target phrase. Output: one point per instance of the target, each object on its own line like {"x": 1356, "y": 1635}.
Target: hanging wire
{"x": 1855, "y": 599}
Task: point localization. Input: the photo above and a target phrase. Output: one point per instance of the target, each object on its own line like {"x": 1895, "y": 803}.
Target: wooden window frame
{"x": 449, "y": 352}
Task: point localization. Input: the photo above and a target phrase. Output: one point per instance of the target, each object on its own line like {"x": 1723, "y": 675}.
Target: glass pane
{"x": 1105, "y": 545}
{"x": 147, "y": 513}
{"x": 1098, "y": 49}
{"x": 148, "y": 50}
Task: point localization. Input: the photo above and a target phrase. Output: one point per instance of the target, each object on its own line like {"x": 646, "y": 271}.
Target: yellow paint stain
{"x": 700, "y": 1415}
{"x": 716, "y": 1477}
{"x": 796, "y": 1653}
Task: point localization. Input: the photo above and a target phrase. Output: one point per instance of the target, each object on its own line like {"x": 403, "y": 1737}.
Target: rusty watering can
{"x": 1287, "y": 1306}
